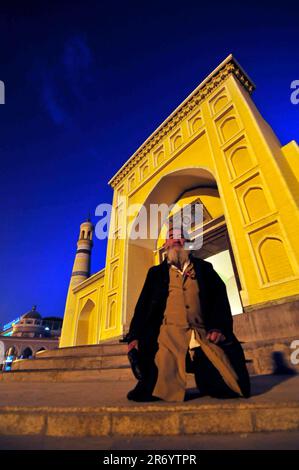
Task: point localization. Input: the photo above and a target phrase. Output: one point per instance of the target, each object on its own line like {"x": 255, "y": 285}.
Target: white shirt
{"x": 184, "y": 267}
{"x": 193, "y": 341}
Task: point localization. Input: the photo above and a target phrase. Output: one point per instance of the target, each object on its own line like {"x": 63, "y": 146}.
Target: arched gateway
{"x": 216, "y": 149}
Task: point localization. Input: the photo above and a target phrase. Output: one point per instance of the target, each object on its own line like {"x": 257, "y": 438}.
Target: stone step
{"x": 263, "y": 357}
{"x": 94, "y": 409}
{"x": 102, "y": 361}
{"x": 279, "y": 440}
{"x": 112, "y": 347}
{"x": 67, "y": 375}
{"x": 270, "y": 356}
{"x": 123, "y": 373}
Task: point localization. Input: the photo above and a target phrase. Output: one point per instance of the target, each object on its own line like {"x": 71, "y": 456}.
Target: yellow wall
{"x": 215, "y": 139}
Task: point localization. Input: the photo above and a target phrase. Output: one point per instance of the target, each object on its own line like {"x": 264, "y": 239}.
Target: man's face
{"x": 177, "y": 255}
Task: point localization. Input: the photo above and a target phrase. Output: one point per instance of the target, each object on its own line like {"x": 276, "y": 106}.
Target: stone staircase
{"x": 109, "y": 361}
{"x": 270, "y": 356}
{"x": 102, "y": 362}
{"x": 101, "y": 409}
{"x": 81, "y": 392}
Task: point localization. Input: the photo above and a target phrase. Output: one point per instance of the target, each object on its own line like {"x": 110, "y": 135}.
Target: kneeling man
{"x": 183, "y": 323}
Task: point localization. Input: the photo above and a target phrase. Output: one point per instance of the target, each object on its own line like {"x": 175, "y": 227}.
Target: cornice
{"x": 90, "y": 280}
{"x": 228, "y": 67}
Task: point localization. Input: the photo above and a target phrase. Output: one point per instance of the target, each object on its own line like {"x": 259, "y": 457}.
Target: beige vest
{"x": 183, "y": 302}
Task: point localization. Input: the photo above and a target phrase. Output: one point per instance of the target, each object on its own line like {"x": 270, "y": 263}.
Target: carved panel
{"x": 228, "y": 128}
{"x": 271, "y": 253}
{"x": 239, "y": 158}
{"x": 195, "y": 123}
{"x": 115, "y": 244}
{"x": 227, "y": 125}
{"x": 159, "y": 156}
{"x": 114, "y": 273}
{"x": 132, "y": 181}
{"x": 144, "y": 170}
{"x": 176, "y": 140}
{"x": 111, "y": 312}
{"x": 252, "y": 199}
{"x": 120, "y": 195}
{"x": 219, "y": 101}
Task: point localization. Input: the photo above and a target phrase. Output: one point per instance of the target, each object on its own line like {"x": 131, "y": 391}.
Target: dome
{"x": 32, "y": 314}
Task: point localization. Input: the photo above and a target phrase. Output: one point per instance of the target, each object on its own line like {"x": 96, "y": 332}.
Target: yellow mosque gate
{"x": 217, "y": 149}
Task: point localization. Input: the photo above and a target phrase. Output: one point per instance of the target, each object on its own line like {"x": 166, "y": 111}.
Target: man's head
{"x": 175, "y": 251}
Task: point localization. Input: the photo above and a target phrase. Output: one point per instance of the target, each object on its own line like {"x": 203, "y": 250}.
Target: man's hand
{"x": 215, "y": 336}
{"x": 133, "y": 344}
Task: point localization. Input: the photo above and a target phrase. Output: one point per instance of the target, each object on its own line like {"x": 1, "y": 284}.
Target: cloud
{"x": 78, "y": 64}
{"x": 66, "y": 82}
{"x": 77, "y": 56}
{"x": 56, "y": 112}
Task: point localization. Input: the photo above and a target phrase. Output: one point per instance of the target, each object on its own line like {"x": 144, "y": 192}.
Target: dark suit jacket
{"x": 149, "y": 310}
{"x": 215, "y": 307}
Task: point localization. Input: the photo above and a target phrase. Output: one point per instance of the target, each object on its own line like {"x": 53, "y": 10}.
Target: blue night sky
{"x": 86, "y": 83}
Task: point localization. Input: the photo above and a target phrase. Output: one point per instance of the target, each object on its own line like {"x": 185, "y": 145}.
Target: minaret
{"x": 81, "y": 267}
{"x": 80, "y": 272}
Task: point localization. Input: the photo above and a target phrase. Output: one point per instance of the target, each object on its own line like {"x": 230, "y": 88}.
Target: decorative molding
{"x": 94, "y": 277}
{"x": 228, "y": 67}
{"x": 80, "y": 273}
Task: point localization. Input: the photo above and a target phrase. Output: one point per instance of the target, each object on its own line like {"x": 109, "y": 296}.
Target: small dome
{"x": 87, "y": 223}
{"x": 32, "y": 314}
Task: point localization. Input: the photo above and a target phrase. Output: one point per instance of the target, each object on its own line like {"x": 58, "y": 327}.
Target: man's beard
{"x": 178, "y": 257}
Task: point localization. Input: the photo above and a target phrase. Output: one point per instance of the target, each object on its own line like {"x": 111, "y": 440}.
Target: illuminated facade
{"x": 215, "y": 148}
{"x": 32, "y": 325}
